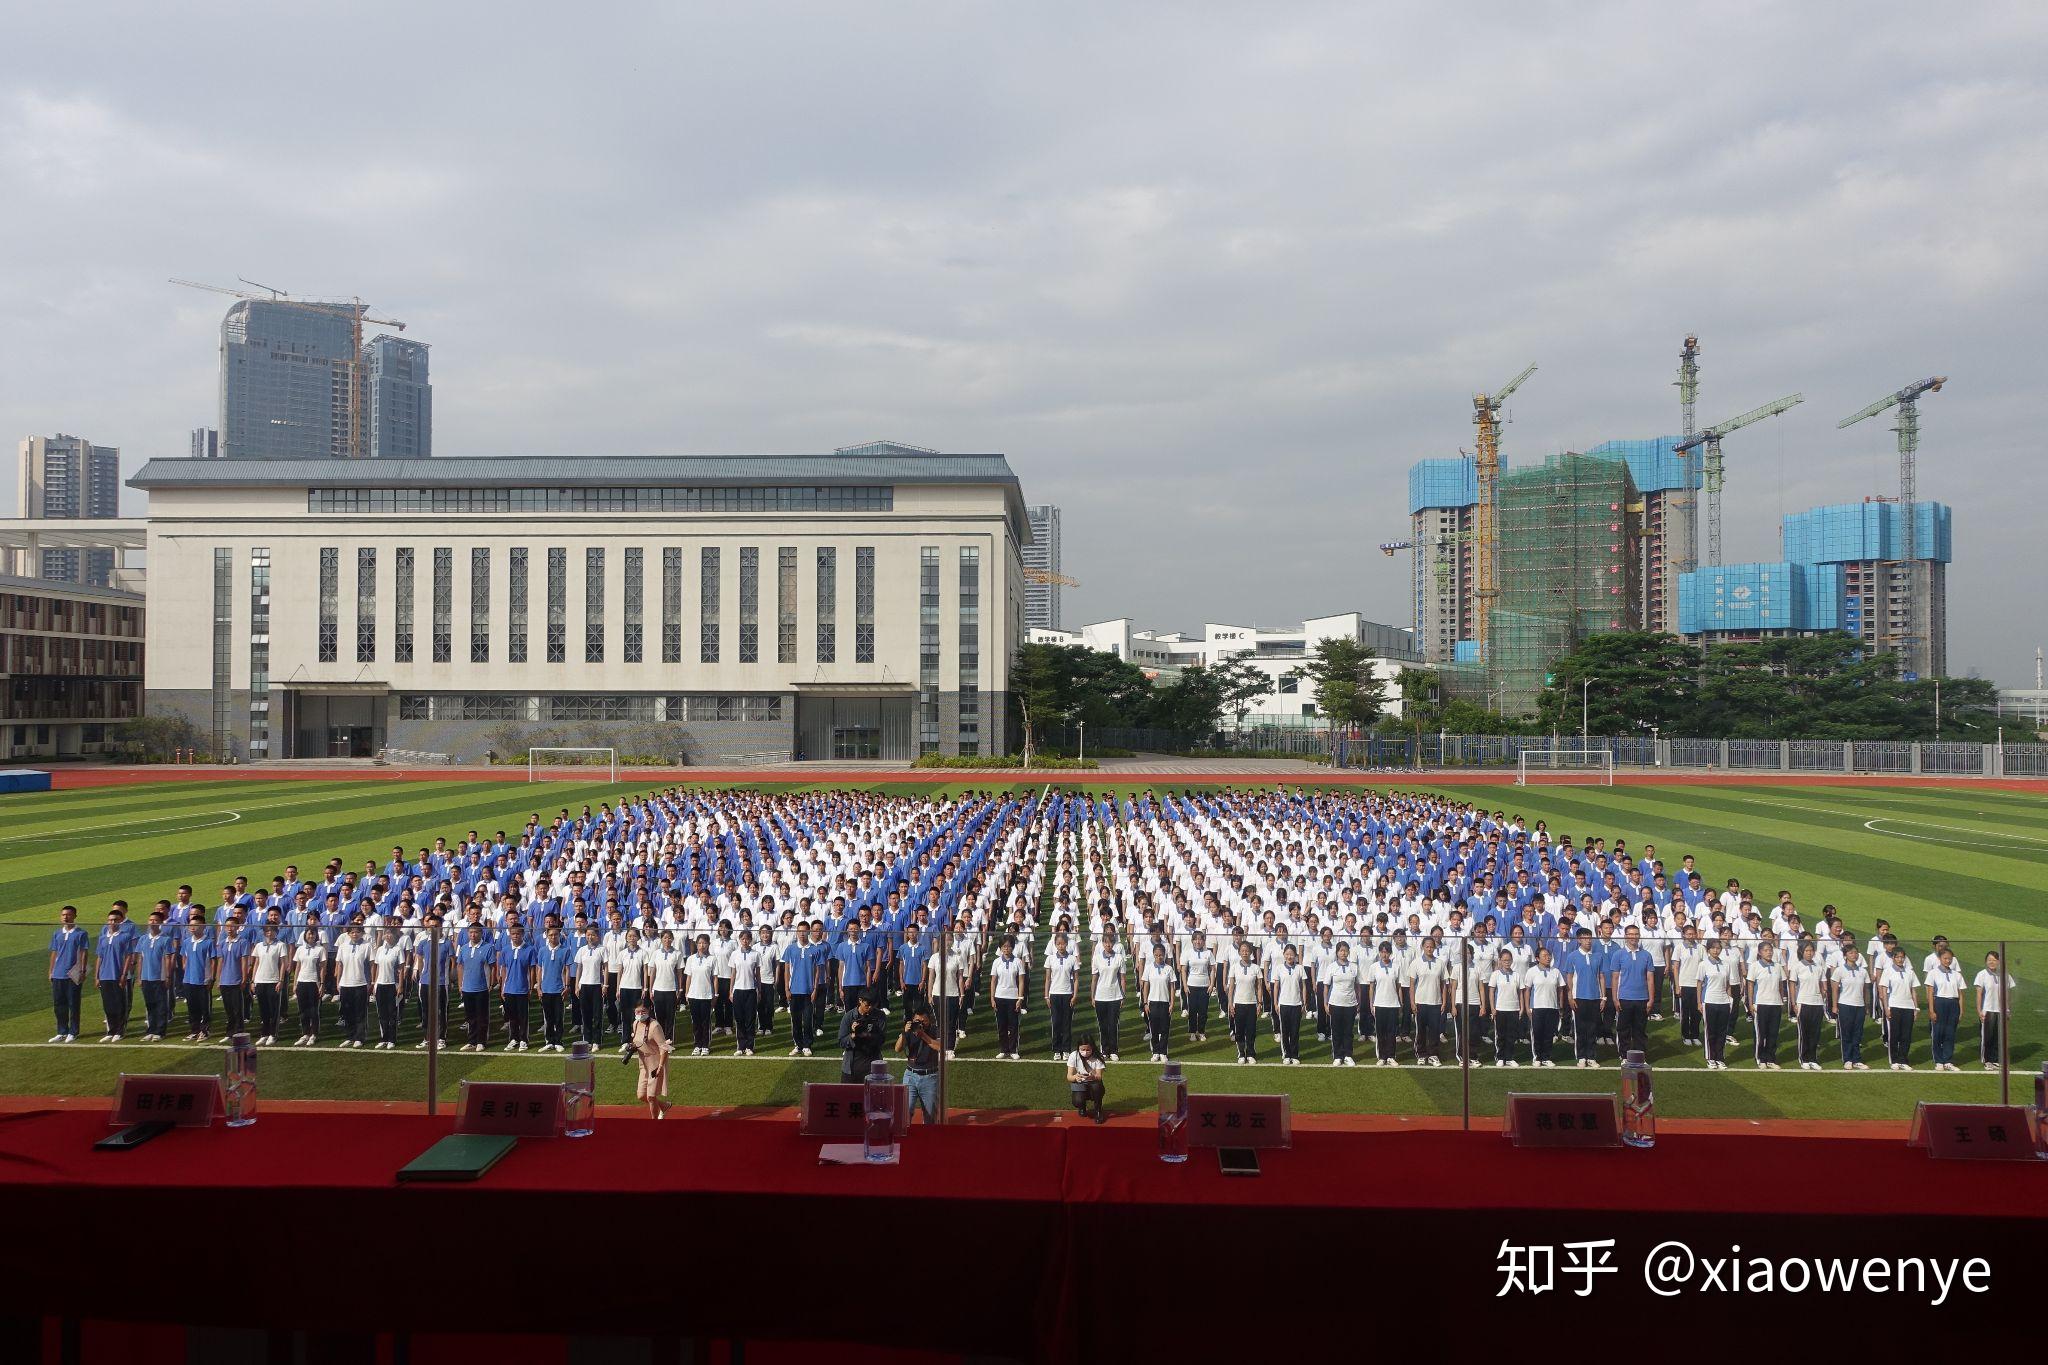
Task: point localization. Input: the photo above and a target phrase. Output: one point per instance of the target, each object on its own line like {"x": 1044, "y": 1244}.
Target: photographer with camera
{"x": 920, "y": 1042}
{"x": 860, "y": 1039}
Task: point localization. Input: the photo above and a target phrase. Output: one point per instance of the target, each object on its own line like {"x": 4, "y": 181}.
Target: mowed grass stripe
{"x": 24, "y": 839}
{"x": 56, "y": 809}
{"x": 371, "y": 823}
{"x": 1993, "y": 873}
{"x": 1959, "y": 813}
{"x": 1814, "y": 869}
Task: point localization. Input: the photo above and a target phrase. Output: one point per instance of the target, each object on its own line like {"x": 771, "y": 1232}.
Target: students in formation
{"x": 1443, "y": 931}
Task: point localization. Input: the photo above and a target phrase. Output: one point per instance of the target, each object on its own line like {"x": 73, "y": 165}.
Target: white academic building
{"x": 714, "y": 609}
{"x": 1274, "y": 651}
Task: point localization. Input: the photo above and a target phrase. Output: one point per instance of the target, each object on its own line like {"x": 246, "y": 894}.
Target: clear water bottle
{"x": 878, "y": 1105}
{"x": 1173, "y": 1114}
{"x": 579, "y": 1092}
{"x": 1638, "y": 1103}
{"x": 241, "y": 1082}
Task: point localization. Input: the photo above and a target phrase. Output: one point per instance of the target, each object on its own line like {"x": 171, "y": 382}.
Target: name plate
{"x": 1974, "y": 1132}
{"x": 187, "y": 1101}
{"x": 1240, "y": 1121}
{"x": 515, "y": 1108}
{"x": 833, "y": 1109}
{"x": 1571, "y": 1119}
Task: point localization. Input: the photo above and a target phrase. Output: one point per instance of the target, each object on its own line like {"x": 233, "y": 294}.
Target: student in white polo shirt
{"x": 267, "y": 963}
{"x": 1198, "y": 975}
{"x": 1161, "y": 982}
{"x": 1502, "y": 1001}
{"x": 1895, "y": 987}
{"x": 1006, "y": 988}
{"x": 1424, "y": 982}
{"x": 1992, "y": 985}
{"x": 1543, "y": 985}
{"x": 1106, "y": 970}
{"x": 1339, "y": 988}
{"x": 1944, "y": 1007}
{"x": 1245, "y": 983}
{"x": 1808, "y": 983}
{"x": 308, "y": 958}
{"x": 1720, "y": 976}
{"x": 387, "y": 985}
{"x": 1290, "y": 994}
{"x": 1062, "y": 974}
{"x": 1849, "y": 994}
{"x": 1764, "y": 983}
{"x": 700, "y": 992}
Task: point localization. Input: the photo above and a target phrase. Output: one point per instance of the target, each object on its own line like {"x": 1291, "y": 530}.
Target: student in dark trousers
{"x": 1582, "y": 972}
{"x": 1543, "y": 988}
{"x": 1896, "y": 985}
{"x": 474, "y": 963}
{"x": 1062, "y": 975}
{"x": 1849, "y": 990}
{"x": 589, "y": 967}
{"x": 1763, "y": 985}
{"x": 116, "y": 973}
{"x": 1339, "y": 993}
{"x": 1108, "y": 988}
{"x": 1246, "y": 985}
{"x": 69, "y": 948}
{"x": 1992, "y": 985}
{"x": 309, "y": 959}
{"x": 1807, "y": 985}
{"x": 196, "y": 954}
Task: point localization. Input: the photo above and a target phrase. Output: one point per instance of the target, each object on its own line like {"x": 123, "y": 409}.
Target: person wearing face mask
{"x": 650, "y": 1047}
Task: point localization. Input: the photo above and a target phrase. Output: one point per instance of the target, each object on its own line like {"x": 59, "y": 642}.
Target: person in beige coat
{"x": 650, "y": 1046}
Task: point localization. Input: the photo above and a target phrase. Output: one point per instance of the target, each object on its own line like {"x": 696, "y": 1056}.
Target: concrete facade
{"x": 277, "y": 599}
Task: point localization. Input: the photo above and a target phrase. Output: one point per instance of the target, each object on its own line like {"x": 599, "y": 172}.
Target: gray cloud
{"x": 1211, "y": 275}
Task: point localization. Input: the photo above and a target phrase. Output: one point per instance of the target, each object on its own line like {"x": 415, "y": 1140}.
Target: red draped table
{"x": 1031, "y": 1241}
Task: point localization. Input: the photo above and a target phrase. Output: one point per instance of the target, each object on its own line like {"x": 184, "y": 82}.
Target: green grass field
{"x": 1972, "y": 864}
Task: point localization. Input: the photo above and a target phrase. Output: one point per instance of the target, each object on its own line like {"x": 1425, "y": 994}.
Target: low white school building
{"x": 1276, "y": 651}
{"x": 717, "y": 609}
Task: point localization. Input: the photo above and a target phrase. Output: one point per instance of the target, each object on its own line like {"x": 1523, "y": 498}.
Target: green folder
{"x": 459, "y": 1156}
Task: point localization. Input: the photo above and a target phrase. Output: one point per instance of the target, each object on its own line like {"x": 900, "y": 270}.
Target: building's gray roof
{"x": 49, "y": 587}
{"x": 594, "y": 471}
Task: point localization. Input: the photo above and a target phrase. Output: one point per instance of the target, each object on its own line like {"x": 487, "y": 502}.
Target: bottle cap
{"x": 1635, "y": 1054}
{"x": 579, "y": 1050}
{"x": 1171, "y": 1072}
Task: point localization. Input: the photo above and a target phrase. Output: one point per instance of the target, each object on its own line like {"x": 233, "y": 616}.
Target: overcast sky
{"x": 1211, "y": 276}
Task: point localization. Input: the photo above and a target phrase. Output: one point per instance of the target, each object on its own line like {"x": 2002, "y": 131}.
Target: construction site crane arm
{"x": 1047, "y": 576}
{"x": 1390, "y": 548}
{"x": 1513, "y": 384}
{"x": 1892, "y": 400}
{"x": 1720, "y": 429}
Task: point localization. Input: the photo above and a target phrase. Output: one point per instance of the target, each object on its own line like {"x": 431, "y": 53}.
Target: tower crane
{"x": 1907, "y": 401}
{"x": 1710, "y": 439}
{"x": 1688, "y": 391}
{"x": 1048, "y": 576}
{"x": 355, "y": 310}
{"x": 1486, "y": 527}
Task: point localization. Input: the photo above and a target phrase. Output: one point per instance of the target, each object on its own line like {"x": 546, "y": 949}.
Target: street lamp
{"x": 1585, "y": 691}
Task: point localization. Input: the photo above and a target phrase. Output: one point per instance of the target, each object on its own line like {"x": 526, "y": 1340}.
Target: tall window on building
{"x": 558, "y": 604}
{"x": 366, "y": 605}
{"x": 707, "y": 605}
{"x": 970, "y": 649}
{"x": 750, "y": 604}
{"x": 479, "y": 605}
{"x": 330, "y": 603}
{"x": 259, "y": 651}
{"x": 828, "y": 604}
{"x": 636, "y": 564}
{"x": 672, "y": 605}
{"x": 928, "y": 649}
{"x": 515, "y": 643}
{"x": 224, "y": 642}
{"x": 785, "y": 605}
{"x": 401, "y": 624}
{"x": 864, "y": 604}
{"x": 444, "y": 605}
{"x": 593, "y": 605}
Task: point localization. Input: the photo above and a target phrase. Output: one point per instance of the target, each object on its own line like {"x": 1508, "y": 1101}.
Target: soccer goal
{"x": 555, "y": 764}
{"x": 1565, "y": 768}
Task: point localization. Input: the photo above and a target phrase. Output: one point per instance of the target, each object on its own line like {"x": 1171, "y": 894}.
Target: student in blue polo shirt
{"x": 116, "y": 970}
{"x": 517, "y": 964}
{"x": 1582, "y": 969}
{"x": 196, "y": 953}
{"x": 555, "y": 955}
{"x": 803, "y": 962}
{"x": 1632, "y": 970}
{"x": 852, "y": 955}
{"x": 154, "y": 952}
{"x": 474, "y": 959}
{"x": 910, "y": 966}
{"x": 68, "y": 951}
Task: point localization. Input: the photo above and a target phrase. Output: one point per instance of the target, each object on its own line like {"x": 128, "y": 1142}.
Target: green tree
{"x": 1347, "y": 690}
{"x": 1190, "y": 704}
{"x": 1238, "y": 686}
{"x": 1622, "y": 682}
{"x": 1061, "y": 685}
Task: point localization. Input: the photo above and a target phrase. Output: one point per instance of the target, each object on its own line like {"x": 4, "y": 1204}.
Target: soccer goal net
{"x": 1565, "y": 768}
{"x": 555, "y": 764}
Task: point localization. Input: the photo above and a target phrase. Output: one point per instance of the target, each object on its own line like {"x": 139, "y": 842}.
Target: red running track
{"x": 69, "y": 779}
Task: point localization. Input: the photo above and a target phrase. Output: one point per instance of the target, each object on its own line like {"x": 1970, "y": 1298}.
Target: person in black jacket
{"x": 860, "y": 1039}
